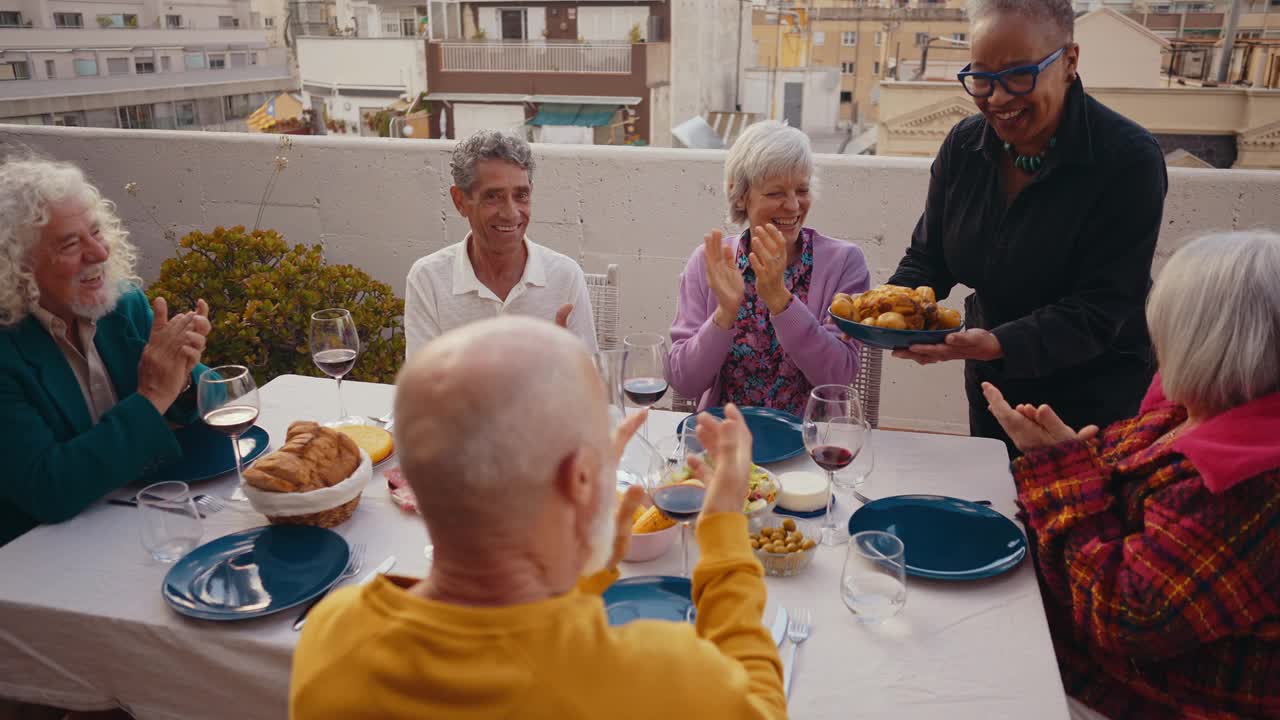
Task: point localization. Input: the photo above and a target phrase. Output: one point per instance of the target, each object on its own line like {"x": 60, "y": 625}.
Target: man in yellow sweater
{"x": 503, "y": 434}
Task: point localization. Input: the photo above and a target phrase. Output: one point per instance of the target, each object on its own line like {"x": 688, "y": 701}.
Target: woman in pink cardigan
{"x": 750, "y": 325}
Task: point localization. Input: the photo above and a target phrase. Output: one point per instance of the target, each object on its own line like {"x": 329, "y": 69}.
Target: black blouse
{"x": 1061, "y": 274}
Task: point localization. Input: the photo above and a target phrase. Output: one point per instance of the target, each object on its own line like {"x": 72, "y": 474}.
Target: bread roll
{"x": 313, "y": 457}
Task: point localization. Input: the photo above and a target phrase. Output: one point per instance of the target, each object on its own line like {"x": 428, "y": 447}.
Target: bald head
{"x": 488, "y": 414}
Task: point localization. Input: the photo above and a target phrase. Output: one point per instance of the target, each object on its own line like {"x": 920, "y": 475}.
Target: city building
{"x": 589, "y": 71}
{"x": 136, "y": 65}
{"x": 864, "y": 40}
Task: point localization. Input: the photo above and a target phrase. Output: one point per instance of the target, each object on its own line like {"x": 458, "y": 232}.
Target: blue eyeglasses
{"x": 1015, "y": 81}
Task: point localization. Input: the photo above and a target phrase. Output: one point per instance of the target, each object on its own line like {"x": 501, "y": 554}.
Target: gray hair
{"x": 1214, "y": 317}
{"x": 764, "y": 150}
{"x": 1058, "y": 13}
{"x": 28, "y": 187}
{"x": 488, "y": 145}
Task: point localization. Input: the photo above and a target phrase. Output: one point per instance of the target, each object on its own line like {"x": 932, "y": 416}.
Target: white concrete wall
{"x": 381, "y": 204}
{"x": 611, "y": 24}
{"x": 704, "y": 37}
{"x": 1116, "y": 54}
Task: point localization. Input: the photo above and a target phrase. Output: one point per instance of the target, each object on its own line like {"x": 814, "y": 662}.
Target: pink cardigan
{"x": 823, "y": 353}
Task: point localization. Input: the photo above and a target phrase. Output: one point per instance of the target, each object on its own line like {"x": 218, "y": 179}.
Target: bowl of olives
{"x": 785, "y": 549}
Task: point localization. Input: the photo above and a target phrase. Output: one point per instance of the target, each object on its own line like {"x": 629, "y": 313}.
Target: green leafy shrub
{"x": 261, "y": 293}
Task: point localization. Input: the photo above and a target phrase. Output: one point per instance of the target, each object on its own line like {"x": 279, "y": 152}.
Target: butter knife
{"x": 779, "y": 630}
{"x": 382, "y": 569}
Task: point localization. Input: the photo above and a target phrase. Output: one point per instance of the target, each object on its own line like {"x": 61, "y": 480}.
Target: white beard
{"x": 106, "y": 298}
{"x": 604, "y": 528}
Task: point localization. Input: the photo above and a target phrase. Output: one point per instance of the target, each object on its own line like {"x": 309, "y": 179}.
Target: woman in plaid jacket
{"x": 1158, "y": 539}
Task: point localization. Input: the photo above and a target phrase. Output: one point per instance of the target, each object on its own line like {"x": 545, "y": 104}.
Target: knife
{"x": 779, "y": 630}
{"x": 382, "y": 569}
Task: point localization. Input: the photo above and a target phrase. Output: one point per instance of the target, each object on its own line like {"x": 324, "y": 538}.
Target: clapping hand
{"x": 634, "y": 495}
{"x": 173, "y": 350}
{"x": 728, "y": 444}
{"x": 562, "y": 315}
{"x": 769, "y": 259}
{"x": 1032, "y": 427}
{"x": 723, "y": 278}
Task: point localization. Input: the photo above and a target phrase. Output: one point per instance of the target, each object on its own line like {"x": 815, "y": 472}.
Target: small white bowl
{"x": 651, "y": 546}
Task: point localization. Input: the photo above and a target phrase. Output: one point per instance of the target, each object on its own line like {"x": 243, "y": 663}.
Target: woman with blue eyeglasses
{"x": 1047, "y": 204}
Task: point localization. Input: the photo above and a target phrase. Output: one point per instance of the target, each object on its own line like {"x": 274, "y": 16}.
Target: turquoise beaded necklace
{"x": 1029, "y": 164}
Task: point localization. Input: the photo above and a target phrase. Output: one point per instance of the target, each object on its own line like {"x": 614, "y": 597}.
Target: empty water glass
{"x": 874, "y": 583}
{"x": 171, "y": 524}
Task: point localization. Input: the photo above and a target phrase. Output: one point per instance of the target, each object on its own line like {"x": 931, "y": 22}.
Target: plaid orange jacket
{"x": 1163, "y": 597}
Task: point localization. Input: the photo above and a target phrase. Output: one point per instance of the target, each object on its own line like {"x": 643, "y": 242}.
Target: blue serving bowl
{"x": 888, "y": 339}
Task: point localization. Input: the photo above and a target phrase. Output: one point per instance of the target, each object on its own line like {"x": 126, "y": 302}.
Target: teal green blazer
{"x": 56, "y": 461}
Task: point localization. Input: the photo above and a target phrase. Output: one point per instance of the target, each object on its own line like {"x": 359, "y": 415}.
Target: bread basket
{"x": 326, "y": 507}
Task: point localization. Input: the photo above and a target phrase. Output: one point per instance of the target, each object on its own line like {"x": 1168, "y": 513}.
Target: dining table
{"x": 83, "y": 625}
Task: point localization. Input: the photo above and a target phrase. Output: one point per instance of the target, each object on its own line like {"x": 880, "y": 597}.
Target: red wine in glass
{"x": 232, "y": 419}
{"x": 831, "y": 458}
{"x": 681, "y": 503}
{"x": 335, "y": 363}
{"x": 645, "y": 391}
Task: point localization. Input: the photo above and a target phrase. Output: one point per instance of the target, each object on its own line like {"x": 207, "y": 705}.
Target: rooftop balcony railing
{"x": 380, "y": 204}
{"x": 530, "y": 57}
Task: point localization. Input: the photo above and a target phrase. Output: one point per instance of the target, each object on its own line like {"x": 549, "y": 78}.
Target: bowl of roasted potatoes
{"x": 785, "y": 548}
{"x": 892, "y": 317}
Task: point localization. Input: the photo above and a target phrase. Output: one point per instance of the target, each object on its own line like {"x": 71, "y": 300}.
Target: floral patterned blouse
{"x": 758, "y": 372}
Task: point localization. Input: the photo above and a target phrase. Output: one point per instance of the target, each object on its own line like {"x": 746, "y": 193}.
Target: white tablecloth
{"x": 83, "y": 626}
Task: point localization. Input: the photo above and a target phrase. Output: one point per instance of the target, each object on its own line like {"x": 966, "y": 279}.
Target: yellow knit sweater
{"x": 377, "y": 651}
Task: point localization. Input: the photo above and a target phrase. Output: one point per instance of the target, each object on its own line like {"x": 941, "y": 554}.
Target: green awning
{"x": 580, "y": 115}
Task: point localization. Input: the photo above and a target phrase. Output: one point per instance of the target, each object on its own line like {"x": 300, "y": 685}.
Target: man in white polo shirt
{"x": 495, "y": 269}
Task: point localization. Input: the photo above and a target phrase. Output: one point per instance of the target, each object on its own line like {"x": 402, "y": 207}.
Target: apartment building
{"x": 865, "y": 40}
{"x": 201, "y": 65}
{"x": 587, "y": 71}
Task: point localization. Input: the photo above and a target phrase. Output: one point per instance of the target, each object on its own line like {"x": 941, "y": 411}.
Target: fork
{"x": 354, "y": 563}
{"x": 798, "y": 630}
{"x": 205, "y": 504}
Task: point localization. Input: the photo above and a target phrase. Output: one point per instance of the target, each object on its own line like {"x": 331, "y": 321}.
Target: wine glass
{"x": 335, "y": 344}
{"x": 644, "y": 370}
{"x": 855, "y": 477}
{"x": 228, "y": 402}
{"x": 609, "y": 366}
{"x": 834, "y": 431}
{"x": 674, "y": 492}
{"x": 874, "y": 582}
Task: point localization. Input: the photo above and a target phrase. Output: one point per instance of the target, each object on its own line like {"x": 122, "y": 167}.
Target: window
{"x": 819, "y": 38}
{"x": 85, "y": 68}
{"x": 226, "y": 21}
{"x": 50, "y": 69}
{"x": 269, "y": 22}
{"x": 846, "y": 96}
{"x": 165, "y": 65}
{"x": 849, "y": 38}
{"x": 959, "y": 37}
{"x": 253, "y": 58}
{"x": 8, "y": 18}
{"x": 878, "y": 37}
{"x": 875, "y": 68}
{"x": 117, "y": 66}
{"x": 118, "y": 20}
{"x": 173, "y": 21}
{"x": 847, "y": 68}
{"x": 73, "y": 119}
{"x": 186, "y": 114}
{"x": 68, "y": 20}
{"x": 195, "y": 61}
{"x": 922, "y": 39}
{"x": 137, "y": 117}
{"x": 237, "y": 106}
{"x": 238, "y": 60}
{"x": 217, "y": 62}
{"x": 144, "y": 67}
{"x": 14, "y": 71}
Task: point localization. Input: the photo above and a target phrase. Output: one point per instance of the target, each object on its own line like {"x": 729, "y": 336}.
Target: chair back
{"x": 867, "y": 382}
{"x": 602, "y": 289}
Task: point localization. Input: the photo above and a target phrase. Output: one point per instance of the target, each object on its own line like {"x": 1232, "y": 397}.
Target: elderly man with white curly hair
{"x": 90, "y": 376}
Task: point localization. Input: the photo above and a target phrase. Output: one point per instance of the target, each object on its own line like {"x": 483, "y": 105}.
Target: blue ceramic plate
{"x": 775, "y": 435}
{"x": 945, "y": 538}
{"x": 650, "y": 597}
{"x": 255, "y": 572}
{"x": 206, "y": 454}
{"x": 887, "y": 339}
